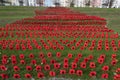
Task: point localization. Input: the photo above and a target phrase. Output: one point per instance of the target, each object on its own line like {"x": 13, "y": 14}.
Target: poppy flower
{"x": 105, "y": 76}
{"x": 38, "y": 68}
{"x": 22, "y": 61}
{"x": 16, "y": 68}
{"x": 62, "y": 72}
{"x": 115, "y": 49}
{"x": 3, "y": 68}
{"x": 13, "y": 57}
{"x": 74, "y": 65}
{"x": 103, "y": 56}
{"x": 28, "y": 68}
{"x": 49, "y": 54}
{"x": 70, "y": 55}
{"x": 43, "y": 61}
{"x": 114, "y": 62}
{"x": 14, "y": 62}
{"x": 105, "y": 68}
{"x": 58, "y": 54}
{"x": 65, "y": 60}
{"x": 90, "y": 57}
{"x": 27, "y": 75}
{"x": 113, "y": 56}
{"x": 52, "y": 61}
{"x": 33, "y": 62}
{"x": 41, "y": 55}
{"x": 4, "y": 56}
{"x": 61, "y": 48}
{"x": 30, "y": 47}
{"x": 17, "y": 76}
{"x": 31, "y": 55}
{"x": 73, "y": 48}
{"x": 52, "y": 73}
{"x": 4, "y": 61}
{"x": 4, "y": 76}
{"x": 79, "y": 72}
{"x": 83, "y": 65}
{"x": 21, "y": 56}
{"x": 76, "y": 60}
{"x": 79, "y": 55}
{"x": 92, "y": 65}
{"x": 82, "y": 48}
{"x": 54, "y": 47}
{"x": 71, "y": 71}
{"x": 47, "y": 67}
{"x": 40, "y": 75}
{"x": 92, "y": 73}
{"x": 56, "y": 65}
{"x": 86, "y": 60}
{"x": 23, "y": 48}
{"x": 65, "y": 65}
{"x": 117, "y": 70}
{"x": 100, "y": 60}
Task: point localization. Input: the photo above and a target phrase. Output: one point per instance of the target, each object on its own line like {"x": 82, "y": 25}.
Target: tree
{"x": 72, "y": 3}
{"x": 111, "y": 3}
{"x": 40, "y": 2}
{"x": 21, "y": 2}
{"x": 87, "y": 2}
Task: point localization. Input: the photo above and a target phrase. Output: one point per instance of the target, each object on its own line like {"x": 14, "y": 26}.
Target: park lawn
{"x": 11, "y": 14}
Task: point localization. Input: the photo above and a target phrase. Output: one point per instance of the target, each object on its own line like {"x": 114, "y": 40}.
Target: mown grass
{"x": 11, "y": 14}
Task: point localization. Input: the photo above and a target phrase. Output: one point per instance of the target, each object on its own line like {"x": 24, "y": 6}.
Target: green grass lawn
{"x": 11, "y": 14}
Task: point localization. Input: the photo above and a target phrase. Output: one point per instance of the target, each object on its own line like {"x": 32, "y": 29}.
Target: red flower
{"x": 4, "y": 56}
{"x": 92, "y": 73}
{"x": 14, "y": 62}
{"x": 4, "y": 61}
{"x": 40, "y": 75}
{"x": 13, "y": 57}
{"x": 16, "y": 68}
{"x": 105, "y": 68}
{"x": 21, "y": 56}
{"x": 62, "y": 71}
{"x": 61, "y": 48}
{"x": 90, "y": 57}
{"x": 58, "y": 54}
{"x": 73, "y": 48}
{"x": 114, "y": 56}
{"x": 22, "y": 61}
{"x": 43, "y": 61}
{"x": 41, "y": 55}
{"x": 31, "y": 55}
{"x": 38, "y": 68}
{"x": 79, "y": 72}
{"x": 33, "y": 61}
{"x": 49, "y": 54}
{"x": 114, "y": 62}
{"x": 71, "y": 71}
{"x": 105, "y": 75}
{"x": 28, "y": 75}
{"x": 16, "y": 76}
{"x": 79, "y": 55}
{"x": 3, "y": 68}
{"x": 73, "y": 65}
{"x": 117, "y": 70}
{"x": 30, "y": 47}
{"x": 65, "y": 60}
{"x": 103, "y": 56}
{"x": 52, "y": 61}
{"x": 56, "y": 65}
{"x": 4, "y": 76}
{"x": 92, "y": 65}
{"x": 47, "y": 67}
{"x": 52, "y": 73}
{"x": 86, "y": 60}
{"x": 115, "y": 49}
{"x": 28, "y": 68}
{"x": 65, "y": 65}
{"x": 70, "y": 55}
{"x": 100, "y": 60}
{"x": 76, "y": 60}
{"x": 83, "y": 65}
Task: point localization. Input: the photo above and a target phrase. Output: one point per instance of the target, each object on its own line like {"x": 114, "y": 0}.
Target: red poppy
{"x": 38, "y": 68}
{"x": 90, "y": 57}
{"x": 28, "y": 68}
{"x": 65, "y": 60}
{"x": 71, "y": 71}
{"x": 79, "y": 72}
{"x": 82, "y": 48}
{"x": 70, "y": 55}
{"x": 73, "y": 48}
{"x": 86, "y": 60}
{"x": 114, "y": 56}
{"x": 4, "y": 61}
{"x": 117, "y": 70}
{"x": 40, "y": 75}
{"x": 31, "y": 55}
{"x": 13, "y": 57}
{"x": 103, "y": 56}
{"x": 105, "y": 68}
{"x": 76, "y": 60}
{"x": 65, "y": 65}
{"x": 92, "y": 65}
{"x": 14, "y": 62}
{"x": 74, "y": 65}
{"x": 22, "y": 61}
{"x": 17, "y": 76}
{"x": 49, "y": 54}
{"x": 21, "y": 56}
{"x": 41, "y": 55}
{"x": 33, "y": 62}
{"x": 16, "y": 68}
{"x": 79, "y": 55}
{"x": 100, "y": 60}
{"x": 3, "y": 68}
{"x": 58, "y": 54}
{"x": 115, "y": 49}
{"x": 62, "y": 71}
{"x": 92, "y": 73}
{"x": 47, "y": 67}
{"x": 4, "y": 76}
{"x": 83, "y": 65}
{"x": 30, "y": 47}
{"x": 52, "y": 73}
{"x": 56, "y": 65}
{"x": 52, "y": 61}
{"x": 4, "y": 56}
{"x": 61, "y": 48}
{"x": 105, "y": 75}
{"x": 113, "y": 62}
{"x": 43, "y": 61}
{"x": 27, "y": 75}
